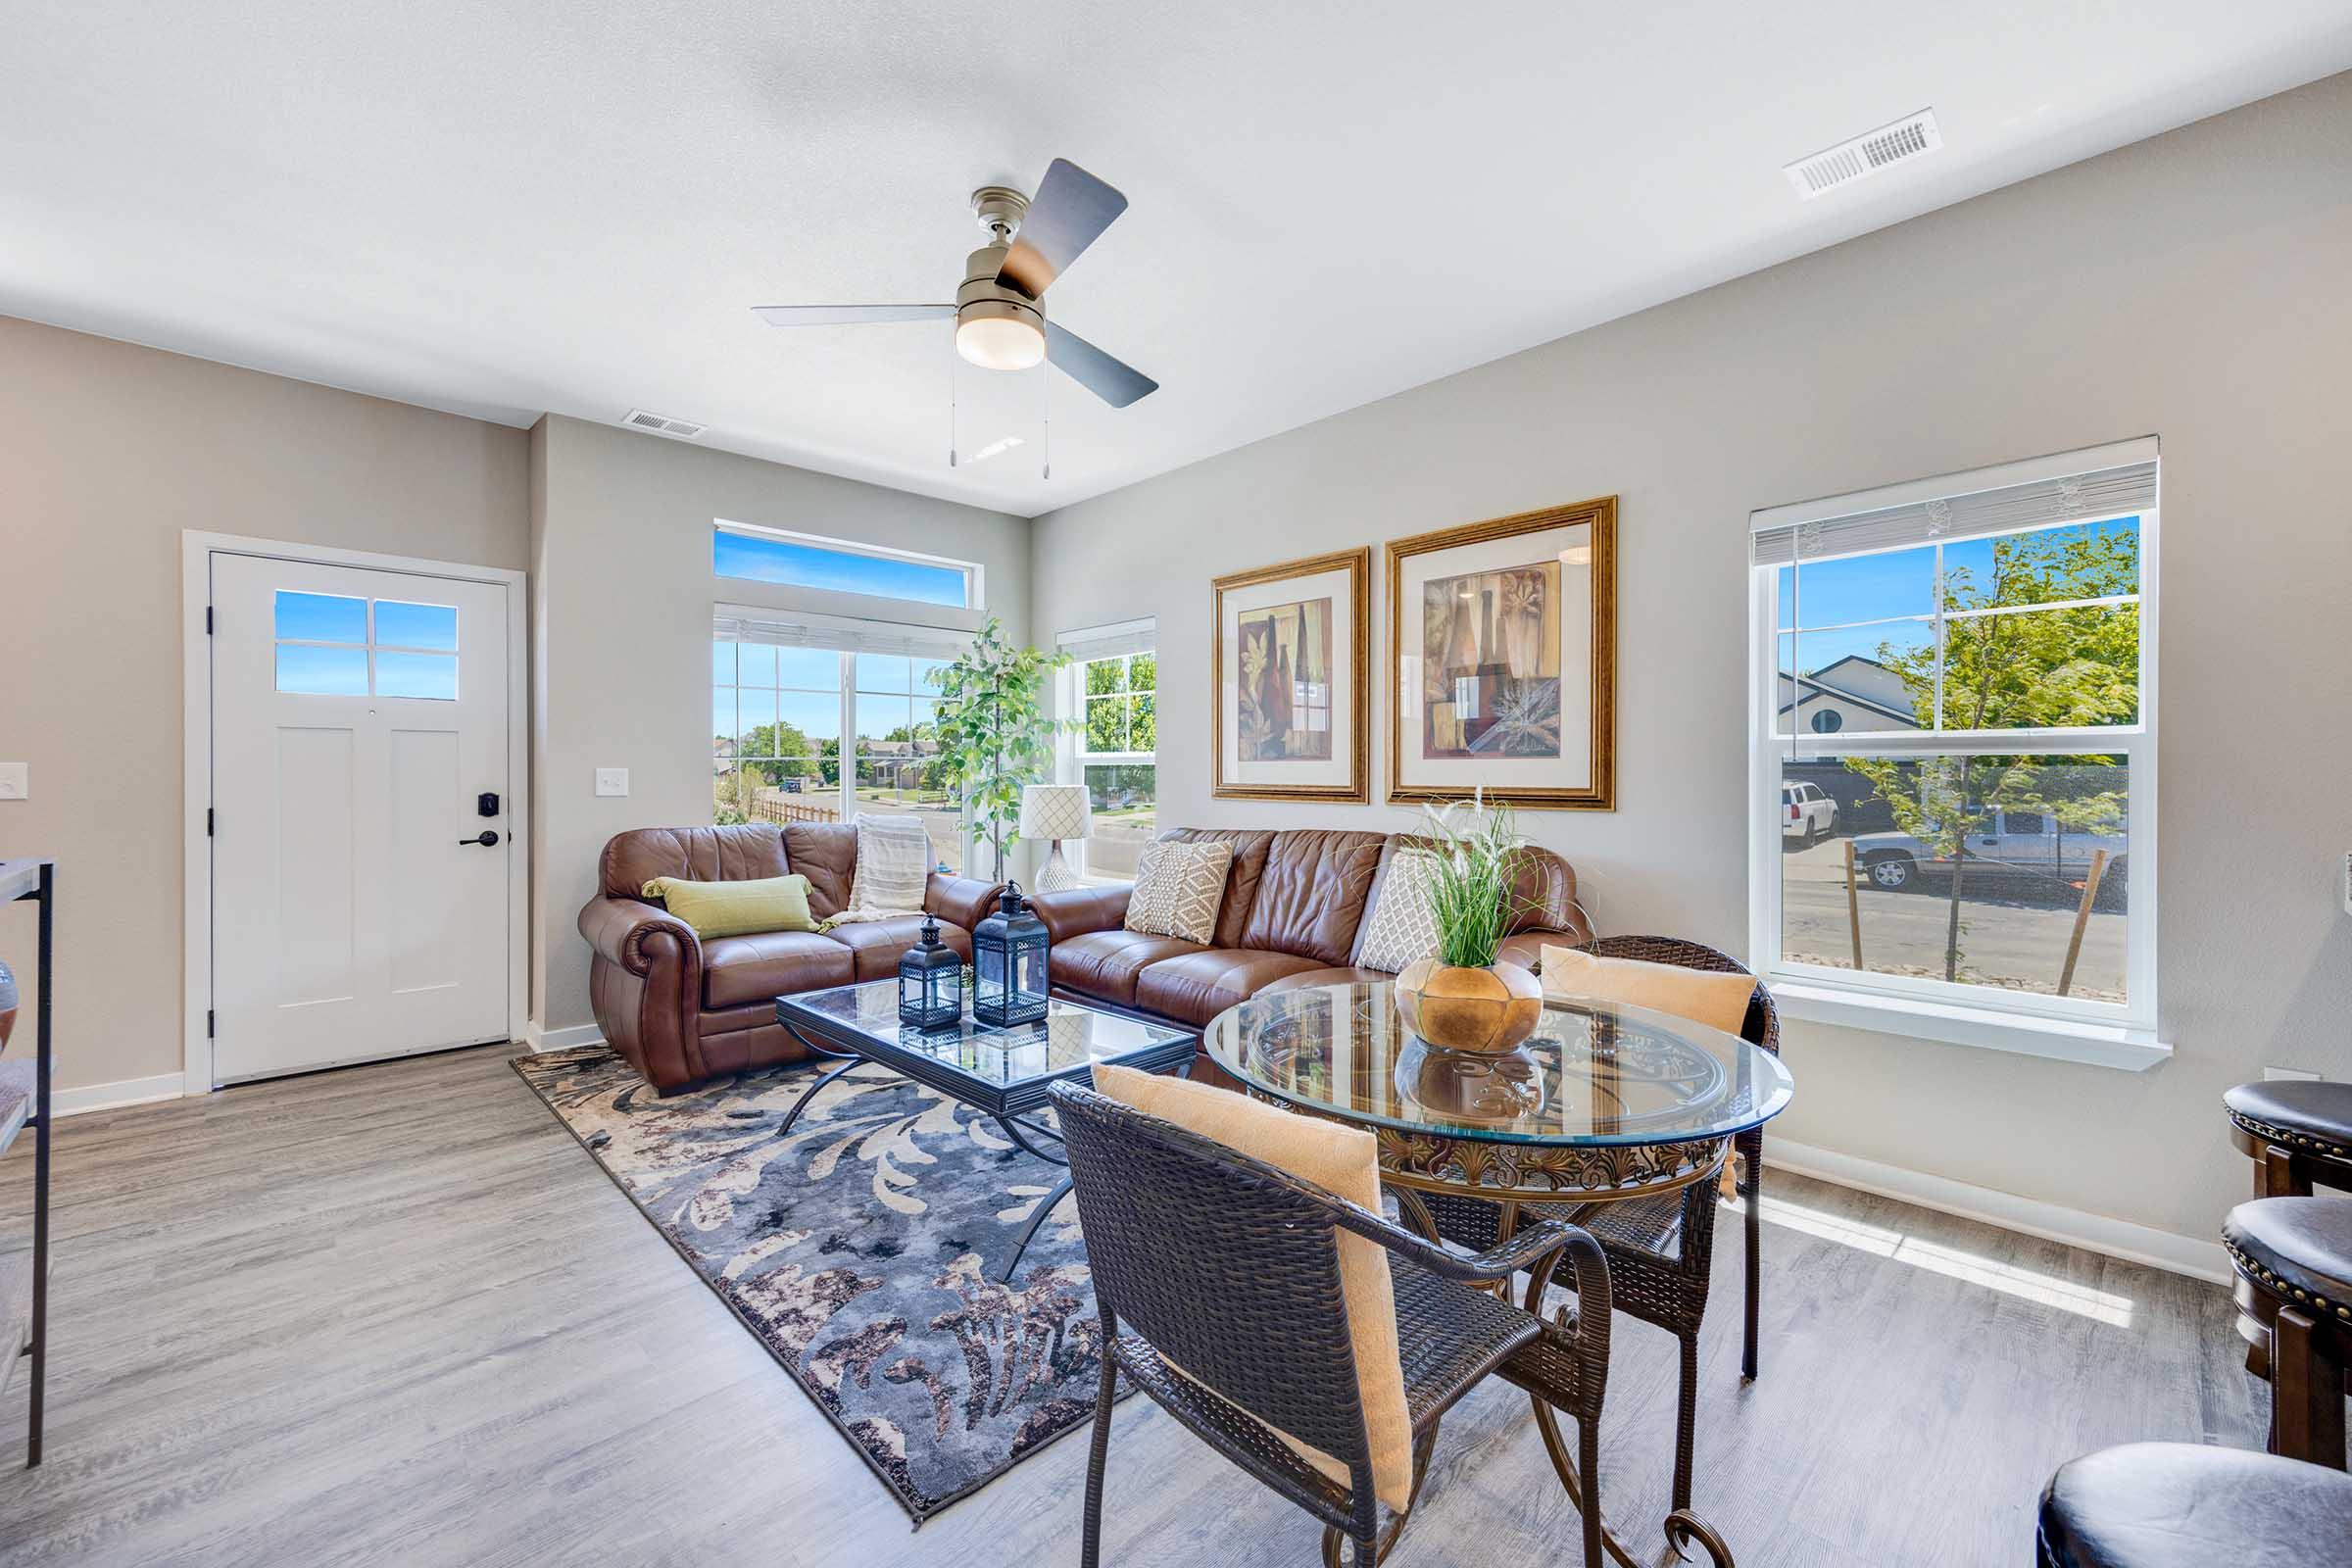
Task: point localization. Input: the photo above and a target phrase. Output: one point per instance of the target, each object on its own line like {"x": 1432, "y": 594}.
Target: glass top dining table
{"x": 1603, "y": 1100}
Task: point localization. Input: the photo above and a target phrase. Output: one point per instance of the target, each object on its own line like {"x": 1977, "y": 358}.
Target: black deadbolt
{"x": 485, "y": 804}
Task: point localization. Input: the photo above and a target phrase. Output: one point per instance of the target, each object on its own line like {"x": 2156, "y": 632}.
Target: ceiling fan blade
{"x": 1114, "y": 381}
{"x": 1069, "y": 213}
{"x": 849, "y": 314}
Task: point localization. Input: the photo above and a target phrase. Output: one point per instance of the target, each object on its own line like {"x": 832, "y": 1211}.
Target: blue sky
{"x": 735, "y": 555}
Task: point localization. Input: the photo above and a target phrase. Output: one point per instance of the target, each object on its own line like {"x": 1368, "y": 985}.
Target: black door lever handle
{"x": 488, "y": 838}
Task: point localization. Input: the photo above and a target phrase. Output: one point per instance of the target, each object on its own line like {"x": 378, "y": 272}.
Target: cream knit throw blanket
{"x": 893, "y": 869}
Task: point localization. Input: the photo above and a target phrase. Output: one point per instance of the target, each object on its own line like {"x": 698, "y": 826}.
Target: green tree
{"x": 996, "y": 734}
{"x": 2040, "y": 669}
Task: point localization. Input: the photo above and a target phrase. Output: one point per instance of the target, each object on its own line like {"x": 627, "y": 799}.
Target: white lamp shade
{"x": 1055, "y": 811}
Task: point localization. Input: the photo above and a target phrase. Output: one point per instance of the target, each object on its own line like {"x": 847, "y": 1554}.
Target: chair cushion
{"x": 2186, "y": 1506}
{"x": 1310, "y": 898}
{"x": 2305, "y": 1244}
{"x": 878, "y": 945}
{"x": 1717, "y": 1000}
{"x": 1340, "y": 975}
{"x": 736, "y": 909}
{"x": 1198, "y": 985}
{"x": 1343, "y": 1160}
{"x": 769, "y": 964}
{"x": 1178, "y": 887}
{"x": 2321, "y": 1112}
{"x": 1103, "y": 965}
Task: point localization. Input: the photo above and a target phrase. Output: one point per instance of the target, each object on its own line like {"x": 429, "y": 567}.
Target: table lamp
{"x": 1055, "y": 811}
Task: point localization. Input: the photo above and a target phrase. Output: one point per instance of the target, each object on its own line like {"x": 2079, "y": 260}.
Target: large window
{"x": 1113, "y": 688}
{"x": 836, "y": 565}
{"x": 784, "y": 695}
{"x": 1955, "y": 745}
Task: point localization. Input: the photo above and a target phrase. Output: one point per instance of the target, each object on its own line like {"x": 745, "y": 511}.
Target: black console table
{"x": 24, "y": 1090}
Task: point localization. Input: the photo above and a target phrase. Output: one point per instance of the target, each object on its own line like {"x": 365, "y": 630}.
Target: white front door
{"x": 359, "y": 733}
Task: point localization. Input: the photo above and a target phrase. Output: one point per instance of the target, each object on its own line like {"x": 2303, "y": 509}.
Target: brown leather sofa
{"x": 682, "y": 1009}
{"x": 1293, "y": 915}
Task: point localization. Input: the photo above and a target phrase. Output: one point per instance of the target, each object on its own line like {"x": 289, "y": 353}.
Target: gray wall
{"x": 621, "y": 596}
{"x": 2194, "y": 286}
{"x": 107, "y": 453}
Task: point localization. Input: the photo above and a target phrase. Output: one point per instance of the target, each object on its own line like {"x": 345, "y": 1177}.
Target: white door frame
{"x": 196, "y": 787}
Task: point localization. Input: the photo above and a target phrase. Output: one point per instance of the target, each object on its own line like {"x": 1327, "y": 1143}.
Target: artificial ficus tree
{"x": 997, "y": 729}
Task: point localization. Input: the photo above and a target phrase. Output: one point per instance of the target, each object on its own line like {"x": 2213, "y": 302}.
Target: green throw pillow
{"x": 736, "y": 909}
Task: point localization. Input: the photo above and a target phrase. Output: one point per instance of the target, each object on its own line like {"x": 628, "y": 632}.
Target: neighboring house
{"x": 1854, "y": 693}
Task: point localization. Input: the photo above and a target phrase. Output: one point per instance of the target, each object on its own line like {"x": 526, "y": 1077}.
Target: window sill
{"x": 2100, "y": 1044}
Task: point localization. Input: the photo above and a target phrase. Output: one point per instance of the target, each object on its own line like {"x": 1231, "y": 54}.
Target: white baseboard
{"x": 128, "y": 1092}
{"x": 579, "y": 1034}
{"x": 2093, "y": 1233}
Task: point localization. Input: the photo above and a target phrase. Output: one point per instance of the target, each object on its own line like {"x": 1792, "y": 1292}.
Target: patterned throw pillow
{"x": 1402, "y": 929}
{"x": 1178, "y": 889}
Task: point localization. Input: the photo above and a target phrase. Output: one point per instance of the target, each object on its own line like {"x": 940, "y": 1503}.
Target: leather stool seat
{"x": 2300, "y": 1249}
{"x": 2304, "y": 1117}
{"x": 2186, "y": 1506}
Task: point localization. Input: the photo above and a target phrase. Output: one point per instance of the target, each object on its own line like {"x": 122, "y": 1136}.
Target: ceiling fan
{"x": 1000, "y": 310}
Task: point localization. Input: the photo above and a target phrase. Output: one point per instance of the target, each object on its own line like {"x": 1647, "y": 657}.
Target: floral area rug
{"x": 862, "y": 1249}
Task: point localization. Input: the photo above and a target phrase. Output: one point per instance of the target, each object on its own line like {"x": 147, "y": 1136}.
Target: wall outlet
{"x": 2271, "y": 1075}
{"x": 16, "y": 781}
{"x": 611, "y": 782}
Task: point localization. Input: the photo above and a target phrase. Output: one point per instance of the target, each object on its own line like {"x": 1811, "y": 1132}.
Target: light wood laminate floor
{"x": 394, "y": 1315}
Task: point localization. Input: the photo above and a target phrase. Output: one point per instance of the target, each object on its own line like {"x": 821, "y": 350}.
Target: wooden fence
{"x": 775, "y": 806}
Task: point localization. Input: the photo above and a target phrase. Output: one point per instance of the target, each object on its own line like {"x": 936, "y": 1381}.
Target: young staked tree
{"x": 997, "y": 729}
{"x": 2036, "y": 669}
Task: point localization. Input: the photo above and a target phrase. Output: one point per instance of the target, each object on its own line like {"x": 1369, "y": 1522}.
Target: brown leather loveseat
{"x": 682, "y": 1009}
{"x": 1293, "y": 912}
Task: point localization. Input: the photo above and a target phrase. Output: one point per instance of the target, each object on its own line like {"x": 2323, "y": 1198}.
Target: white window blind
{"x": 1110, "y": 642}
{"x": 745, "y": 625}
{"x": 2100, "y": 482}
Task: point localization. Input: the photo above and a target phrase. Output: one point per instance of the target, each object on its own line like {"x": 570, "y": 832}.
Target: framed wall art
{"x": 1503, "y": 644}
{"x": 1290, "y": 663}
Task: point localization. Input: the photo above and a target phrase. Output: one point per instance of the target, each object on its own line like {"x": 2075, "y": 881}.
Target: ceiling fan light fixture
{"x": 999, "y": 342}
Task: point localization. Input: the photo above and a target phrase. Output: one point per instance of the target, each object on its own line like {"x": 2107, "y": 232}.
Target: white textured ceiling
{"x": 570, "y": 205}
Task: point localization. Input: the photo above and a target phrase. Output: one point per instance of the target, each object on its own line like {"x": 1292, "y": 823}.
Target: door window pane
{"x": 321, "y": 618}
{"x": 808, "y": 669}
{"x": 400, "y": 624}
{"x": 321, "y": 672}
{"x": 885, "y": 672}
{"x": 433, "y": 676}
{"x": 756, "y": 664}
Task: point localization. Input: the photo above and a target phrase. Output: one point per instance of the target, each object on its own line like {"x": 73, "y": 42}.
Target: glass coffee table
{"x": 1001, "y": 1073}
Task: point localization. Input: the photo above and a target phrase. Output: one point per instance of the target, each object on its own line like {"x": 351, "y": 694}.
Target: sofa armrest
{"x": 963, "y": 900}
{"x": 1526, "y": 947}
{"x": 1074, "y": 912}
{"x": 645, "y": 985}
{"x": 637, "y": 935}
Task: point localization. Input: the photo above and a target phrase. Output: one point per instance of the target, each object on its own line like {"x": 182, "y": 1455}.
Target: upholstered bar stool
{"x": 2293, "y": 1257}
{"x": 2297, "y": 1132}
{"x": 2185, "y": 1505}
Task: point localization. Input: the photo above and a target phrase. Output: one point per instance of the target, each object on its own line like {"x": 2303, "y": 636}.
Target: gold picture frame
{"x": 1502, "y": 671}
{"x": 1289, "y": 720}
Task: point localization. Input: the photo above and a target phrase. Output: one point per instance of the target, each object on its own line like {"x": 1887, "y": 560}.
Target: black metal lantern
{"x": 930, "y": 982}
{"x": 1009, "y": 965}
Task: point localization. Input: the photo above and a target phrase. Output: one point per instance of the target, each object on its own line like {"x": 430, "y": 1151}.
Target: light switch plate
{"x": 16, "y": 781}
{"x": 611, "y": 782}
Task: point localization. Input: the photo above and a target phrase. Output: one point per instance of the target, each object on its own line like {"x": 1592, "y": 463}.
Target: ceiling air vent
{"x": 1912, "y": 136}
{"x": 683, "y": 429}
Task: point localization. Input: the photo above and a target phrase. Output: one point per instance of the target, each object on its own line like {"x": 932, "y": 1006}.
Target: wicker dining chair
{"x": 1661, "y": 1251}
{"x": 1210, "y": 1261}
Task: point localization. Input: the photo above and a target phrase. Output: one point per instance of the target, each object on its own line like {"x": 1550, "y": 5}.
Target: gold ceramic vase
{"x": 1489, "y": 1010}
